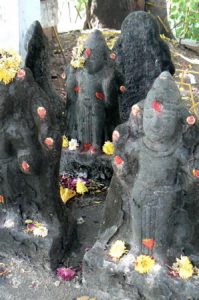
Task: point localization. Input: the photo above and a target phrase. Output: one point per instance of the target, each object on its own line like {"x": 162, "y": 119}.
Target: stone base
{"x": 119, "y": 280}
{"x": 92, "y": 166}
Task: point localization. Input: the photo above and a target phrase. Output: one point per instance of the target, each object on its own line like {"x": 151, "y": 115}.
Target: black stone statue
{"x": 155, "y": 168}
{"x": 141, "y": 56}
{"x": 92, "y": 104}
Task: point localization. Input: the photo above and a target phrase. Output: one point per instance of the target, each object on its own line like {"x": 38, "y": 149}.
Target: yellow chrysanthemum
{"x": 81, "y": 187}
{"x": 184, "y": 267}
{"x": 65, "y": 142}
{"x": 117, "y": 249}
{"x": 108, "y": 148}
{"x": 144, "y": 263}
{"x": 66, "y": 194}
{"x": 9, "y": 65}
{"x": 78, "y": 60}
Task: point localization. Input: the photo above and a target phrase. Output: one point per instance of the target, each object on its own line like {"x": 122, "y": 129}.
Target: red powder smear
{"x": 191, "y": 120}
{"x": 88, "y": 52}
{"x": 149, "y": 243}
{"x": 157, "y": 106}
{"x": 77, "y": 89}
{"x": 87, "y": 147}
{"x": 118, "y": 160}
{"x": 25, "y": 166}
{"x": 195, "y": 173}
{"x": 113, "y": 56}
{"x": 100, "y": 96}
{"x": 1, "y": 199}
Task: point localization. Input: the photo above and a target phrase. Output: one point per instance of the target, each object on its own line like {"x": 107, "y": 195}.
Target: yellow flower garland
{"x": 9, "y": 65}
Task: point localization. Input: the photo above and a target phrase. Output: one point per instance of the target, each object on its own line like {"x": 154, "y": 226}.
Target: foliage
{"x": 183, "y": 17}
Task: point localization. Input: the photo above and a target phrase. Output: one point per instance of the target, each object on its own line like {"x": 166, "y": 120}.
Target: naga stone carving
{"x": 33, "y": 221}
{"x": 92, "y": 103}
{"x": 151, "y": 200}
{"x": 141, "y": 56}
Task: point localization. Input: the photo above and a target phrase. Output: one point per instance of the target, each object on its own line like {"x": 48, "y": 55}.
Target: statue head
{"x": 95, "y": 52}
{"x": 161, "y": 117}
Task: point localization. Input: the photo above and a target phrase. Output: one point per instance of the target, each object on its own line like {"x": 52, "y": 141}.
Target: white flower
{"x": 73, "y": 144}
{"x": 40, "y": 231}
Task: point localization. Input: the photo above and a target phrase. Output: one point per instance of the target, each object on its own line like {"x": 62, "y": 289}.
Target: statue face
{"x": 159, "y": 122}
{"x": 95, "y": 61}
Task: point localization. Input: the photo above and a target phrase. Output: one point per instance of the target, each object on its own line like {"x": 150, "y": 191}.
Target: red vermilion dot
{"x": 49, "y": 142}
{"x": 191, "y": 120}
{"x": 122, "y": 89}
{"x": 1, "y": 199}
{"x": 41, "y": 111}
{"x": 118, "y": 160}
{"x": 149, "y": 243}
{"x": 25, "y": 166}
{"x": 113, "y": 56}
{"x": 157, "y": 106}
{"x": 87, "y": 147}
{"x": 100, "y": 96}
{"x": 21, "y": 74}
{"x": 88, "y": 52}
{"x": 195, "y": 173}
{"x": 92, "y": 150}
{"x": 77, "y": 89}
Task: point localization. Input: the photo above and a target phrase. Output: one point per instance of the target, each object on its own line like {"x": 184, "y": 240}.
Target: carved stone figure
{"x": 33, "y": 223}
{"x": 155, "y": 167}
{"x": 92, "y": 105}
{"x": 141, "y": 56}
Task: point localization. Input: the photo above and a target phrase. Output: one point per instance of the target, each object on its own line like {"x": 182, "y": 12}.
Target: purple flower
{"x": 66, "y": 274}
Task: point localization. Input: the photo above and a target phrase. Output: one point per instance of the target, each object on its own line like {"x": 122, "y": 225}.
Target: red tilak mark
{"x": 100, "y": 96}
{"x": 77, "y": 89}
{"x": 88, "y": 52}
{"x": 191, "y": 120}
{"x": 149, "y": 243}
{"x": 1, "y": 199}
{"x": 113, "y": 56}
{"x": 195, "y": 173}
{"x": 49, "y": 142}
{"x": 41, "y": 111}
{"x": 87, "y": 147}
{"x": 118, "y": 160}
{"x": 122, "y": 89}
{"x": 157, "y": 106}
{"x": 25, "y": 166}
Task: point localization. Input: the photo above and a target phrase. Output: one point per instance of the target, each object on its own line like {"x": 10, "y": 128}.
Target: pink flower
{"x": 21, "y": 74}
{"x": 122, "y": 89}
{"x": 66, "y": 274}
{"x": 191, "y": 120}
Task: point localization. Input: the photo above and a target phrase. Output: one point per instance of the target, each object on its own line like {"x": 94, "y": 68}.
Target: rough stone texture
{"x": 151, "y": 196}
{"x": 38, "y": 61}
{"x": 29, "y": 173}
{"x": 141, "y": 57}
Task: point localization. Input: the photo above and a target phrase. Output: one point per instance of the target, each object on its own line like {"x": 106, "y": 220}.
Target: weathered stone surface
{"x": 150, "y": 197}
{"x": 29, "y": 171}
{"x": 141, "y": 56}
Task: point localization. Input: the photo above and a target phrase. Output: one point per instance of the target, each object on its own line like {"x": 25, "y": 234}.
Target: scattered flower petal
{"x": 49, "y": 142}
{"x": 144, "y": 264}
{"x": 117, "y": 249}
{"x": 65, "y": 142}
{"x": 73, "y": 145}
{"x": 122, "y": 89}
{"x": 66, "y": 194}
{"x": 25, "y": 166}
{"x": 183, "y": 267}
{"x": 135, "y": 110}
{"x": 66, "y": 274}
{"x": 108, "y": 148}
{"x": 41, "y": 231}
{"x": 195, "y": 173}
{"x": 118, "y": 161}
{"x": 81, "y": 187}
{"x": 115, "y": 136}
{"x": 113, "y": 56}
{"x": 21, "y": 74}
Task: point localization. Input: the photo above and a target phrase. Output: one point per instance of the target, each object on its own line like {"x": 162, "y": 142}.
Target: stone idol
{"x": 141, "y": 56}
{"x": 33, "y": 222}
{"x": 92, "y": 100}
{"x": 147, "y": 246}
